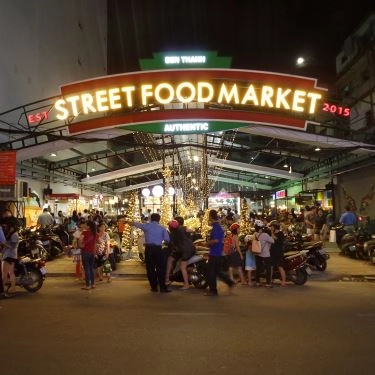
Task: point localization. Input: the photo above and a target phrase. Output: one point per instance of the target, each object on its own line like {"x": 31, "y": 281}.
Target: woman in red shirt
{"x": 87, "y": 243}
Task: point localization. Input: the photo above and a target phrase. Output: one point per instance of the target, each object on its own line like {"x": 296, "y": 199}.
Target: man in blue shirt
{"x": 215, "y": 242}
{"x": 155, "y": 256}
{"x": 348, "y": 219}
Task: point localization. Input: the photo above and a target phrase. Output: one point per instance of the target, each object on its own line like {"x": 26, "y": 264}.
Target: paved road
{"x": 122, "y": 328}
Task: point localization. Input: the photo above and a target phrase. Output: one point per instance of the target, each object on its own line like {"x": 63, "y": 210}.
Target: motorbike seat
{"x": 311, "y": 245}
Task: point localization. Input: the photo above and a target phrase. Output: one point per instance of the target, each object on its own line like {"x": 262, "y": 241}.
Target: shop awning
{"x": 62, "y": 196}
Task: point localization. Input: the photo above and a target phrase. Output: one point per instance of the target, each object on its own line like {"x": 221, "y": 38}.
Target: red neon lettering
{"x": 37, "y": 117}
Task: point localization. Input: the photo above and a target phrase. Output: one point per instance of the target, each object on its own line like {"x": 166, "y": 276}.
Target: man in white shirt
{"x": 45, "y": 219}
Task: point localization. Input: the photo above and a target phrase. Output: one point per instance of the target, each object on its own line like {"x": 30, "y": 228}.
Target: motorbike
{"x": 51, "y": 242}
{"x": 196, "y": 269}
{"x": 369, "y": 249}
{"x": 352, "y": 244}
{"x": 296, "y": 268}
{"x": 316, "y": 256}
{"x": 30, "y": 274}
{"x": 30, "y": 245}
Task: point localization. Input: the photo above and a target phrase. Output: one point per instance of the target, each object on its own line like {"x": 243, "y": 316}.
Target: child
{"x": 249, "y": 261}
{"x": 107, "y": 270}
{"x": 76, "y": 253}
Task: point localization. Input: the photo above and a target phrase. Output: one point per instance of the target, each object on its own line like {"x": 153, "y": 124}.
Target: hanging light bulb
{"x": 157, "y": 191}
{"x": 146, "y": 192}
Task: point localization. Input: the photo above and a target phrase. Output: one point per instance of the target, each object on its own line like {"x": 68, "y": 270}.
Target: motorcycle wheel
{"x": 33, "y": 281}
{"x": 372, "y": 257}
{"x": 298, "y": 276}
{"x": 56, "y": 251}
{"x": 321, "y": 265}
{"x": 200, "y": 282}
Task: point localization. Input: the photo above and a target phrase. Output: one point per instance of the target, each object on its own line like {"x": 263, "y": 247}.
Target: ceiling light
{"x": 300, "y": 61}
{"x": 146, "y": 192}
{"x": 157, "y": 191}
{"x": 285, "y": 165}
{"x": 53, "y": 154}
{"x": 317, "y": 148}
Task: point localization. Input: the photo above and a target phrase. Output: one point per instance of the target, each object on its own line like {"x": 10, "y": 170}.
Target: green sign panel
{"x": 185, "y": 60}
{"x": 183, "y": 127}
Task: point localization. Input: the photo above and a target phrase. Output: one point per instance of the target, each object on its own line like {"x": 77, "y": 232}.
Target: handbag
{"x": 255, "y": 245}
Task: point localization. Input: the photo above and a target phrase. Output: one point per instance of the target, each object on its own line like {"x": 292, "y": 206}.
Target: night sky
{"x": 260, "y": 35}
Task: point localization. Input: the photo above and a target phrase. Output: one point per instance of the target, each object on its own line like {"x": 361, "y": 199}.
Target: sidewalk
{"x": 339, "y": 268}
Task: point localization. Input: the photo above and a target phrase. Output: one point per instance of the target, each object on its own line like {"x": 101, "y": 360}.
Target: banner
{"x": 8, "y": 167}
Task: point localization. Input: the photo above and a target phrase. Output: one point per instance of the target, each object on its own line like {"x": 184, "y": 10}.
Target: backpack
{"x": 228, "y": 247}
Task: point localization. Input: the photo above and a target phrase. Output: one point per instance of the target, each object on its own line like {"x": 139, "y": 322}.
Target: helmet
{"x": 275, "y": 224}
{"x": 173, "y": 224}
{"x": 180, "y": 220}
{"x": 233, "y": 227}
{"x": 258, "y": 223}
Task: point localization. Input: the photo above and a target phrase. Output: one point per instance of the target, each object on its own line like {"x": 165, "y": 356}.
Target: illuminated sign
{"x": 199, "y": 95}
{"x": 185, "y": 127}
{"x": 187, "y": 92}
{"x": 185, "y": 59}
{"x": 336, "y": 109}
{"x": 36, "y": 118}
{"x": 280, "y": 194}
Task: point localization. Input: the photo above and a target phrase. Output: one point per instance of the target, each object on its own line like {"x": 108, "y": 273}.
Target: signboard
{"x": 281, "y": 194}
{"x": 8, "y": 167}
{"x": 192, "y": 96}
{"x": 62, "y": 196}
{"x": 183, "y": 60}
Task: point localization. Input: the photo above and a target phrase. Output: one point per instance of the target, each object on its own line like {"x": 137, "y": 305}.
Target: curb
{"x": 115, "y": 276}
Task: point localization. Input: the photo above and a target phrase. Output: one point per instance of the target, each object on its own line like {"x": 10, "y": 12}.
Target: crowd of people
{"x": 91, "y": 245}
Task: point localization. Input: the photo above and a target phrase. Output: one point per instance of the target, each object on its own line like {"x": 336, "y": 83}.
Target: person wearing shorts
{"x": 9, "y": 252}
{"x": 181, "y": 247}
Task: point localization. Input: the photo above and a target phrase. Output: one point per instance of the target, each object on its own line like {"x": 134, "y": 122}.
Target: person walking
{"x": 310, "y": 217}
{"x": 155, "y": 257}
{"x": 9, "y": 255}
{"x": 102, "y": 250}
{"x": 87, "y": 243}
{"x": 215, "y": 242}
{"x": 181, "y": 249}
{"x": 235, "y": 257}
{"x": 320, "y": 228}
{"x": 277, "y": 250}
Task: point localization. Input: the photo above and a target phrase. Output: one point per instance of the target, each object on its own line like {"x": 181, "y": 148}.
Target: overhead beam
{"x": 242, "y": 183}
{"x": 251, "y": 168}
{"x": 130, "y": 171}
{"x": 210, "y": 177}
{"x": 322, "y": 141}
